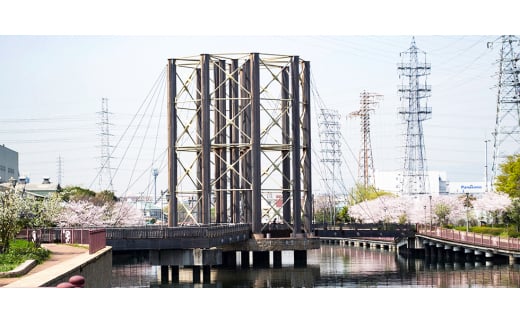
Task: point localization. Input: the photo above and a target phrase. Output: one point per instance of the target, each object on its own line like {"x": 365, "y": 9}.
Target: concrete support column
{"x": 196, "y": 274}
{"x": 244, "y": 259}
{"x": 260, "y": 259}
{"x": 206, "y": 274}
{"x": 229, "y": 259}
{"x": 277, "y": 259}
{"x": 469, "y": 255}
{"x": 175, "y": 274}
{"x": 164, "y": 275}
{"x": 300, "y": 258}
{"x": 448, "y": 253}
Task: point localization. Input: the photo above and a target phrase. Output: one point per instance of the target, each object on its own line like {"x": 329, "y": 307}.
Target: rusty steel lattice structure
{"x": 240, "y": 140}
{"x": 366, "y": 162}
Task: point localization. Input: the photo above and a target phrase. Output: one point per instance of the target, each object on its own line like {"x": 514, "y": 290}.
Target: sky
{"x": 53, "y": 78}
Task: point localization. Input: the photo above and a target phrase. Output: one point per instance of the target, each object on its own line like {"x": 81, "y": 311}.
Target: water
{"x": 332, "y": 266}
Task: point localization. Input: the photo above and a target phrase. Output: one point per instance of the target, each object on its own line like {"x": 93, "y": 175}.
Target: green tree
{"x": 360, "y": 193}
{"x": 343, "y": 215}
{"x": 10, "y": 206}
{"x": 76, "y": 193}
{"x": 508, "y": 181}
{"x": 512, "y": 214}
{"x": 442, "y": 211}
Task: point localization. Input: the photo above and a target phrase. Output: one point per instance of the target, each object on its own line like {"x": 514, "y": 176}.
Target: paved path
{"x": 59, "y": 253}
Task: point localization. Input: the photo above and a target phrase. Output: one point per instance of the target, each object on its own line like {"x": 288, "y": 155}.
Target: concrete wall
{"x": 96, "y": 268}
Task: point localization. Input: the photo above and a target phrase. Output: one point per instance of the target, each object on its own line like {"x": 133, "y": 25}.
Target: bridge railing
{"x": 478, "y": 239}
{"x": 193, "y": 231}
{"x": 94, "y": 238}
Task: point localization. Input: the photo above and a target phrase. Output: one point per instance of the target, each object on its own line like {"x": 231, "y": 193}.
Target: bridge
{"x": 448, "y": 244}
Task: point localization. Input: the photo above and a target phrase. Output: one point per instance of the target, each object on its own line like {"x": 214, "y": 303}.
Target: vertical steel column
{"x": 245, "y": 117}
{"x": 256, "y": 165}
{"x": 295, "y": 86}
{"x": 199, "y": 208}
{"x": 234, "y": 142}
{"x": 306, "y": 128}
{"x": 206, "y": 140}
{"x": 286, "y": 155}
{"x": 217, "y": 138}
{"x": 223, "y": 141}
{"x": 172, "y": 137}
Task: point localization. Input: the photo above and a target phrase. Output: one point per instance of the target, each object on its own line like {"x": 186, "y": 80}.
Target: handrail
{"x": 477, "y": 239}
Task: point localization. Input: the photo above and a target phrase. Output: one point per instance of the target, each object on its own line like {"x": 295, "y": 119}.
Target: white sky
{"x": 56, "y": 67}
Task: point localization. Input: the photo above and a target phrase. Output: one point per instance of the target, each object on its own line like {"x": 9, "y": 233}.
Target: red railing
{"x": 95, "y": 238}
{"x": 477, "y": 239}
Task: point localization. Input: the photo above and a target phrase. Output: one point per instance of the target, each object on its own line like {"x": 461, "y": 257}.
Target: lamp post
{"x": 467, "y": 212}
{"x": 425, "y": 215}
{"x": 431, "y": 218}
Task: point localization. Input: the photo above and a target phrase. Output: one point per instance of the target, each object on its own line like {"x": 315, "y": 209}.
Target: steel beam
{"x": 295, "y": 104}
{"x": 172, "y": 137}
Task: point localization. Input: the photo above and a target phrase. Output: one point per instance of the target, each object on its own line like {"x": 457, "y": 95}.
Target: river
{"x": 331, "y": 266}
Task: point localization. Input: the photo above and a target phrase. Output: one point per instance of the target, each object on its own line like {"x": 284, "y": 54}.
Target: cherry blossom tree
{"x": 124, "y": 214}
{"x": 491, "y": 205}
{"x": 82, "y": 214}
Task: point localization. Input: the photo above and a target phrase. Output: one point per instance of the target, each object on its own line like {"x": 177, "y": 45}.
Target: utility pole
{"x": 486, "y": 167}
{"x": 60, "y": 170}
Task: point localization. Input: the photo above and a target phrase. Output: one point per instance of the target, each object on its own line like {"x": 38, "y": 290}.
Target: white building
{"x": 392, "y": 182}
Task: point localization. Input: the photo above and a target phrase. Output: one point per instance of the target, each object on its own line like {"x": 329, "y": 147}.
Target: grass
{"x": 19, "y": 252}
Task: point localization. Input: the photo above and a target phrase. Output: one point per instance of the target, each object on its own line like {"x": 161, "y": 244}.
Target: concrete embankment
{"x": 96, "y": 268}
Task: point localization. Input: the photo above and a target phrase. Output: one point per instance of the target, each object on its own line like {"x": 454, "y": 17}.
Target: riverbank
{"x": 60, "y": 253}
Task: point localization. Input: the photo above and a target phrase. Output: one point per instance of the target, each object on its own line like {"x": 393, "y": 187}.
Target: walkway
{"x": 59, "y": 254}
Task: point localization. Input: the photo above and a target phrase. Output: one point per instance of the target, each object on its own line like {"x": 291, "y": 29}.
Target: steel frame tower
{"x": 105, "y": 172}
{"x": 239, "y": 133}
{"x": 329, "y": 128}
{"x": 507, "y": 127}
{"x": 414, "y": 93}
{"x": 365, "y": 161}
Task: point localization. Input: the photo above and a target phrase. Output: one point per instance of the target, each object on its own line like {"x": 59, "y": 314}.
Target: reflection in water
{"x": 331, "y": 266}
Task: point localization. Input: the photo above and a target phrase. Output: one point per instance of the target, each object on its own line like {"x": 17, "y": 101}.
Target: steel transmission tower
{"x": 238, "y": 135}
{"x": 414, "y": 93}
{"x": 329, "y": 129}
{"x": 366, "y": 162}
{"x": 105, "y": 171}
{"x": 507, "y": 128}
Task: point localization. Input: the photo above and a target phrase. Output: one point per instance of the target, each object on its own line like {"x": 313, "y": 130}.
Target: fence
{"x": 94, "y": 238}
{"x": 477, "y": 239}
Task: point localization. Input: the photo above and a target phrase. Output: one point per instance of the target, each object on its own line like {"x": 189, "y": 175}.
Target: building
{"x": 392, "y": 182}
{"x": 8, "y": 164}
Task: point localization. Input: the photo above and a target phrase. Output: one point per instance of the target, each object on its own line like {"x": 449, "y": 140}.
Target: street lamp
{"x": 431, "y": 221}
{"x": 425, "y": 215}
{"x": 467, "y": 212}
